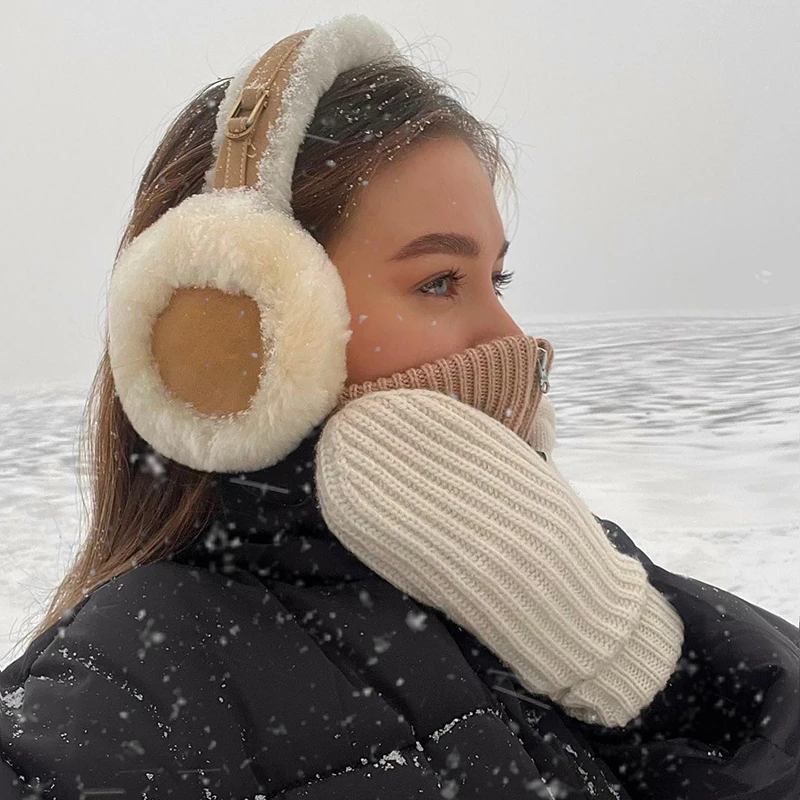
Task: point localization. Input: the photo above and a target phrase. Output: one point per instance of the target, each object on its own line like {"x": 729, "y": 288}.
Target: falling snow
{"x": 694, "y": 456}
{"x": 677, "y": 432}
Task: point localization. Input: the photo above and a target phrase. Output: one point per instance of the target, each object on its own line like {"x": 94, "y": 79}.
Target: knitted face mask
{"x": 505, "y": 378}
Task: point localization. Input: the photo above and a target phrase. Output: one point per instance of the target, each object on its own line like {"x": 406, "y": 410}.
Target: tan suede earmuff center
{"x": 208, "y": 349}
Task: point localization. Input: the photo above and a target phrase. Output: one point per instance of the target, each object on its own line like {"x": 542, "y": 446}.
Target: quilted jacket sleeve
{"x": 726, "y": 725}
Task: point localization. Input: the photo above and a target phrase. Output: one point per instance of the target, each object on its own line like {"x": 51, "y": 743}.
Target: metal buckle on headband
{"x": 251, "y": 117}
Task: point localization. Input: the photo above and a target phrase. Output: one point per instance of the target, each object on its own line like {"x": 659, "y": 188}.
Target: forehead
{"x": 439, "y": 185}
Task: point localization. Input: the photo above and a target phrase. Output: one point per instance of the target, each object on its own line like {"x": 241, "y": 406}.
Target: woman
{"x": 394, "y": 594}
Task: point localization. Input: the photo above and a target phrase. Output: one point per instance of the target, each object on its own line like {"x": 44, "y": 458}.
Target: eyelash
{"x": 499, "y": 279}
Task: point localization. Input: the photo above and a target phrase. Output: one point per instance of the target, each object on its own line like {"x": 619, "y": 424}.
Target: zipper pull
{"x": 544, "y": 383}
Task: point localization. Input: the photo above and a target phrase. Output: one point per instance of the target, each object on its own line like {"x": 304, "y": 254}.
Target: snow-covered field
{"x": 685, "y": 431}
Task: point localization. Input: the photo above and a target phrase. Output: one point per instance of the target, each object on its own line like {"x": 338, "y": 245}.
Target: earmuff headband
{"x": 227, "y": 321}
{"x": 254, "y": 113}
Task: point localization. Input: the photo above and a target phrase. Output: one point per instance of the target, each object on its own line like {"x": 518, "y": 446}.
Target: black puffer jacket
{"x": 266, "y": 661}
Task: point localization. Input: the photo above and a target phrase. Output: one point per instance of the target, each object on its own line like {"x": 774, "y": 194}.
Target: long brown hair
{"x": 144, "y": 507}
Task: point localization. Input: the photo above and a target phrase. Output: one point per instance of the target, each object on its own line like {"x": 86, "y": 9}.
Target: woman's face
{"x": 404, "y": 309}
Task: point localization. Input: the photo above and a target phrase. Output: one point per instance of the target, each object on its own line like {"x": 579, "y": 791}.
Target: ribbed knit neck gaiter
{"x": 505, "y": 378}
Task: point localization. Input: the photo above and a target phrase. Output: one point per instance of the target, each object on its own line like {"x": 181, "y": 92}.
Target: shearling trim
{"x": 341, "y": 44}
{"x": 231, "y": 240}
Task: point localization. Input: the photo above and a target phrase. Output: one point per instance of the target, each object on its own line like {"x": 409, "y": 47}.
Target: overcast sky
{"x": 657, "y": 159}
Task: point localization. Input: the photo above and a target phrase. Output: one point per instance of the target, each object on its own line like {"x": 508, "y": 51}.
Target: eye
{"x": 499, "y": 279}
{"x": 451, "y": 275}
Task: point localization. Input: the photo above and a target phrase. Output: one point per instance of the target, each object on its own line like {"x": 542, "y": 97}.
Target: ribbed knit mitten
{"x": 456, "y": 510}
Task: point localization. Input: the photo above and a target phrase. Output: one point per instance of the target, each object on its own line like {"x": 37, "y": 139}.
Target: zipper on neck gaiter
{"x": 541, "y": 363}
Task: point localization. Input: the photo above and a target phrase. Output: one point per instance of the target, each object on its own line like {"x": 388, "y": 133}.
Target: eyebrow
{"x": 457, "y": 244}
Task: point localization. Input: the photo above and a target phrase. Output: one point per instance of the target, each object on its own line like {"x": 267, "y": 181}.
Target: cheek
{"x": 393, "y": 330}
{"x": 378, "y": 346}
{"x": 383, "y": 343}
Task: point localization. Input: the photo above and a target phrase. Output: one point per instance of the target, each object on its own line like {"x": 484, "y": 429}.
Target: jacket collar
{"x": 271, "y": 526}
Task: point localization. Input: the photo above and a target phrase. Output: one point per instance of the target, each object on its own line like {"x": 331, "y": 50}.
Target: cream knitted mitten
{"x": 456, "y": 510}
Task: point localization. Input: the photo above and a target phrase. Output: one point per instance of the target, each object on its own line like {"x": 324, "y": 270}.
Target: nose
{"x": 495, "y": 323}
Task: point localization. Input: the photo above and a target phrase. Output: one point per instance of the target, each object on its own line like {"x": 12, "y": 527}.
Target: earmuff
{"x": 227, "y": 321}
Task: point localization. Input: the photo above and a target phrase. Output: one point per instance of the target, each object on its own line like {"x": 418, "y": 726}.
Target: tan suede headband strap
{"x": 252, "y": 116}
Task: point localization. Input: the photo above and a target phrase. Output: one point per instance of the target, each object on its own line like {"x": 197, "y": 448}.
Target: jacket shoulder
{"x": 159, "y": 594}
{"x": 728, "y": 715}
{"x": 135, "y": 681}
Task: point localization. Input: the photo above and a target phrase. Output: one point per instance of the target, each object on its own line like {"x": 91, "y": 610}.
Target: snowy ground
{"x": 684, "y": 431}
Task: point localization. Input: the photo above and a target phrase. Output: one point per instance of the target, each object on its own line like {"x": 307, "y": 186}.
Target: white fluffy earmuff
{"x": 239, "y": 237}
